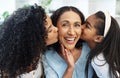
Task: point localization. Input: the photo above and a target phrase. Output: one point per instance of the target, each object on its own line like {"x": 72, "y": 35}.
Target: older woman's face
{"x": 52, "y": 32}
{"x": 69, "y": 26}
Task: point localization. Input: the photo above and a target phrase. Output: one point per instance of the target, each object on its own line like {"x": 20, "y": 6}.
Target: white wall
{"x": 86, "y": 6}
{"x": 96, "y": 5}
{"x": 7, "y": 5}
{"x": 80, "y": 4}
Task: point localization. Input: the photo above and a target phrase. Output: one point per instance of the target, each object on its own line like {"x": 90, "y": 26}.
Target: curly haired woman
{"x": 24, "y": 35}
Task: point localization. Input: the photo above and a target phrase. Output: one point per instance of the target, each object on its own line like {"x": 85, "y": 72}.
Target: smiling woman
{"x": 68, "y": 19}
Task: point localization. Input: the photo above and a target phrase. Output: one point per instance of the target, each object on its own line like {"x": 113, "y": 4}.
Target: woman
{"x": 24, "y": 36}
{"x": 68, "y": 19}
{"x": 102, "y": 33}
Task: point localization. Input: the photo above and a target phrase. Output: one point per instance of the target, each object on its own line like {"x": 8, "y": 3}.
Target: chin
{"x": 70, "y": 47}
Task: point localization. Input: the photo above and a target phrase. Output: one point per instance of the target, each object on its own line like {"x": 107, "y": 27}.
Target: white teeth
{"x": 70, "y": 39}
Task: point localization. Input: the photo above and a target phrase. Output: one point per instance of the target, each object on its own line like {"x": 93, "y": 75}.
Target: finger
{"x": 67, "y": 52}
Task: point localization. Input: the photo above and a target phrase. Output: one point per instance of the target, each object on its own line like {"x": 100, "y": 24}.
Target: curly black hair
{"x": 22, "y": 40}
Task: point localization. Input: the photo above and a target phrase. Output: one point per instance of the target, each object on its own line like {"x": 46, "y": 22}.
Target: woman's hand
{"x": 68, "y": 57}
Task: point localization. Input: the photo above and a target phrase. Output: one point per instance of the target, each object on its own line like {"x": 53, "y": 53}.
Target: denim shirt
{"x": 55, "y": 66}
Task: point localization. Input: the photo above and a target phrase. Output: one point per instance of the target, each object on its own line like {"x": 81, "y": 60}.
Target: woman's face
{"x": 69, "y": 26}
{"x": 52, "y": 32}
{"x": 88, "y": 29}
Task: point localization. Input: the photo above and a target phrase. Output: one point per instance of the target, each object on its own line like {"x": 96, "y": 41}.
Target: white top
{"x": 100, "y": 66}
{"x": 35, "y": 73}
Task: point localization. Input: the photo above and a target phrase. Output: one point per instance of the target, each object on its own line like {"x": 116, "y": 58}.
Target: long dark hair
{"x": 22, "y": 41}
{"x": 55, "y": 17}
{"x": 109, "y": 46}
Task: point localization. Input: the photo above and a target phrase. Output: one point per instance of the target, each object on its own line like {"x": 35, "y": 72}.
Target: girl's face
{"x": 52, "y": 32}
{"x": 69, "y": 26}
{"x": 88, "y": 29}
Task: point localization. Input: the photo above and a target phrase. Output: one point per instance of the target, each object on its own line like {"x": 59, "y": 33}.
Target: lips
{"x": 70, "y": 40}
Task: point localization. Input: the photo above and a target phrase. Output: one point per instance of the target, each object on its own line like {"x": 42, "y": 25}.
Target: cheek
{"x": 50, "y": 36}
{"x": 60, "y": 35}
{"x": 62, "y": 31}
{"x": 79, "y": 32}
{"x": 85, "y": 31}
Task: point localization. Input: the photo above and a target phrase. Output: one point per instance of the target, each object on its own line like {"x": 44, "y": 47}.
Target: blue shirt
{"x": 55, "y": 66}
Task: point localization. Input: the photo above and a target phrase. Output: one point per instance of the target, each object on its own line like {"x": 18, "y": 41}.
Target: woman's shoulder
{"x": 99, "y": 59}
{"x": 100, "y": 66}
{"x": 50, "y": 52}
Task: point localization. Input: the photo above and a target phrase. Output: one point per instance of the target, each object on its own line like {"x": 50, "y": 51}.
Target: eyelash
{"x": 77, "y": 25}
{"x": 65, "y": 25}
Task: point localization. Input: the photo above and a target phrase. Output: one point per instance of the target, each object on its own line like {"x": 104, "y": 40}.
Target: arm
{"x": 68, "y": 57}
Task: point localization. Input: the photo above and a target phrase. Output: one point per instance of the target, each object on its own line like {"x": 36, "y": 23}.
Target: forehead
{"x": 47, "y": 18}
{"x": 70, "y": 15}
{"x": 91, "y": 17}
{"x": 48, "y": 21}
{"x": 92, "y": 20}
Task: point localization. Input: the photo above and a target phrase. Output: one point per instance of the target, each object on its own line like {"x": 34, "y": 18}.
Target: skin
{"x": 52, "y": 32}
{"x": 89, "y": 27}
{"x": 69, "y": 25}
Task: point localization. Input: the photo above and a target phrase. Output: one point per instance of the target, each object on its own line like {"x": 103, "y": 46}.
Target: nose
{"x": 71, "y": 31}
{"x": 56, "y": 29}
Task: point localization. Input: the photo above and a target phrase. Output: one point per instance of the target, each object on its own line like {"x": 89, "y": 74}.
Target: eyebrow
{"x": 68, "y": 21}
{"x": 78, "y": 22}
{"x": 88, "y": 23}
{"x": 64, "y": 21}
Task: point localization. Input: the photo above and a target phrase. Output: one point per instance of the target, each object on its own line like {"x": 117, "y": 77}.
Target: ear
{"x": 98, "y": 38}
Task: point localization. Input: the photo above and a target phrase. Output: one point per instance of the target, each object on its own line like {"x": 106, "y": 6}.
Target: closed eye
{"x": 49, "y": 29}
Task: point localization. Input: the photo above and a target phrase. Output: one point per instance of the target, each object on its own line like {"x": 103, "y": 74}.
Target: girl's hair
{"x": 109, "y": 45}
{"x": 55, "y": 17}
{"x": 22, "y": 40}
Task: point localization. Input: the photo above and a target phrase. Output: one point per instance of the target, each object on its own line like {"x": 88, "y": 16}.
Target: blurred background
{"x": 88, "y": 7}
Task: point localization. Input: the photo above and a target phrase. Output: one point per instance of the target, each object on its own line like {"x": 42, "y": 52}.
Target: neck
{"x": 91, "y": 45}
{"x": 76, "y": 53}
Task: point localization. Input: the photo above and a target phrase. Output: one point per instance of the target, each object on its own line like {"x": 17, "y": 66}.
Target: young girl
{"x": 102, "y": 33}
